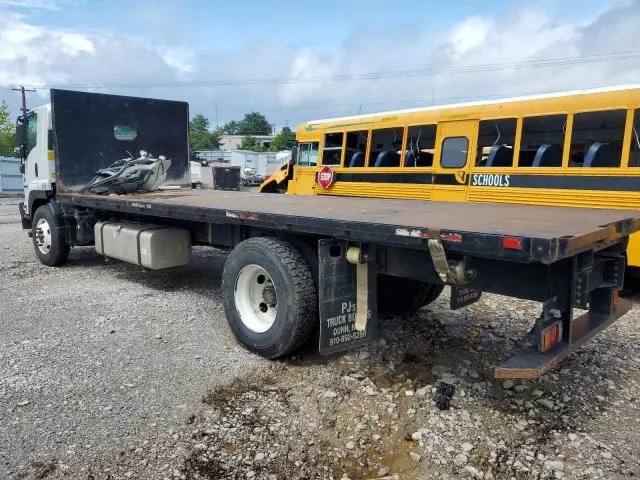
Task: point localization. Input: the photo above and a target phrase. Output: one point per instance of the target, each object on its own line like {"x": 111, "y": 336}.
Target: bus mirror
{"x": 294, "y": 155}
{"x": 22, "y": 167}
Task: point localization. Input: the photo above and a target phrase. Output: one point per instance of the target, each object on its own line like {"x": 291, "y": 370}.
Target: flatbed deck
{"x": 548, "y": 233}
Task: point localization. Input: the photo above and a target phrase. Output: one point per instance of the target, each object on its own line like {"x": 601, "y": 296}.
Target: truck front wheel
{"x": 50, "y": 246}
{"x": 398, "y": 296}
{"x": 269, "y": 296}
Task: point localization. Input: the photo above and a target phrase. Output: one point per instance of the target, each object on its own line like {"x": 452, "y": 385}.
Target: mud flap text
{"x": 337, "y": 298}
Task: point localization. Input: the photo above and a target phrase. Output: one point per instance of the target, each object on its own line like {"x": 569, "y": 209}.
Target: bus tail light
{"x": 511, "y": 243}
{"x": 550, "y": 336}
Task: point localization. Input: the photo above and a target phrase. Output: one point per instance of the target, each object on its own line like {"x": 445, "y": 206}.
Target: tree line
{"x": 8, "y": 140}
{"x": 201, "y": 137}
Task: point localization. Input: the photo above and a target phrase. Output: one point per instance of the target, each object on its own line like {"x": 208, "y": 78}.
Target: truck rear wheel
{"x": 398, "y": 296}
{"x": 50, "y": 246}
{"x": 269, "y": 296}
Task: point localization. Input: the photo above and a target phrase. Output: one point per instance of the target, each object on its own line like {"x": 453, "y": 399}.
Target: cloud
{"x": 36, "y": 4}
{"x": 109, "y": 61}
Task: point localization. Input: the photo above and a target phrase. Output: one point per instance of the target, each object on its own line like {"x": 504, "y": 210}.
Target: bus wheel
{"x": 50, "y": 246}
{"x": 398, "y": 296}
{"x": 269, "y": 296}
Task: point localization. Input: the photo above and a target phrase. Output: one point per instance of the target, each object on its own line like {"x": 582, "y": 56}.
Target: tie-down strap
{"x": 455, "y": 275}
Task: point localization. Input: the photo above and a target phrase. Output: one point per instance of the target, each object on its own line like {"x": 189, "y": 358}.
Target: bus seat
{"x": 500, "y": 156}
{"x": 357, "y": 160}
{"x": 409, "y": 159}
{"x": 602, "y": 155}
{"x": 548, "y": 156}
{"x": 387, "y": 158}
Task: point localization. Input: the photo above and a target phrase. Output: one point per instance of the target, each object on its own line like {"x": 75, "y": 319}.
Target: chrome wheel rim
{"x": 43, "y": 236}
{"x": 255, "y": 298}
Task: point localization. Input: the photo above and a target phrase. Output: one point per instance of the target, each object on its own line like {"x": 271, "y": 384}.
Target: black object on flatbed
{"x": 547, "y": 234}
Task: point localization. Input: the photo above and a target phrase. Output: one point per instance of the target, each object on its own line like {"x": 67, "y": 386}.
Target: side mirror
{"x": 294, "y": 155}
{"x": 22, "y": 167}
{"x": 21, "y": 132}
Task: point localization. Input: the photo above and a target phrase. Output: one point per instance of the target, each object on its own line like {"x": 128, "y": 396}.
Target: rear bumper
{"x": 532, "y": 364}
{"x": 24, "y": 218}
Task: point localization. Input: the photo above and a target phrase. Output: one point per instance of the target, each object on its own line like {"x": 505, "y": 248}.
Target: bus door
{"x": 304, "y": 170}
{"x": 455, "y": 153}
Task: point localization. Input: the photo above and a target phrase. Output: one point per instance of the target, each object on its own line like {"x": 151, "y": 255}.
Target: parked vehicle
{"x": 297, "y": 263}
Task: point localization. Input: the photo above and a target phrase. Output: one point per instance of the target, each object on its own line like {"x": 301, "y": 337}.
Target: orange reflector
{"x": 511, "y": 243}
{"x": 551, "y": 336}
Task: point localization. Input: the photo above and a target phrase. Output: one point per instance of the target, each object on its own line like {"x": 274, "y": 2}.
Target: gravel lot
{"x": 110, "y": 372}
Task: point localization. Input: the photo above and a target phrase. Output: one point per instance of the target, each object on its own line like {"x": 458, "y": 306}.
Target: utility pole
{"x": 24, "y": 91}
{"x": 216, "y": 104}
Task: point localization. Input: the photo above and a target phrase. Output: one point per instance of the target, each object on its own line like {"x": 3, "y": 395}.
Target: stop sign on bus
{"x": 326, "y": 176}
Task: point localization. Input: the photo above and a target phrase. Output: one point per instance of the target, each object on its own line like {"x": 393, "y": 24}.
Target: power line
{"x": 414, "y": 101}
{"x": 414, "y": 72}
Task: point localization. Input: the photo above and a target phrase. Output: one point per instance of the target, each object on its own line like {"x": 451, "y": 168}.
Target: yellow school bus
{"x": 579, "y": 148}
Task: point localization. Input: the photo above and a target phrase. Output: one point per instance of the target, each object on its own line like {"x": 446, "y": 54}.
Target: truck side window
{"x": 454, "y": 152}
{"x": 332, "y": 150}
{"x": 308, "y": 154}
{"x": 32, "y": 132}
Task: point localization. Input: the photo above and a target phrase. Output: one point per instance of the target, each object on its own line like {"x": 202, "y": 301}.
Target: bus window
{"x": 596, "y": 139}
{"x": 542, "y": 141}
{"x": 356, "y": 148}
{"x": 332, "y": 150}
{"x": 308, "y": 154}
{"x": 454, "y": 152}
{"x": 386, "y": 147}
{"x": 634, "y": 152}
{"x": 421, "y": 144}
{"x": 495, "y": 143}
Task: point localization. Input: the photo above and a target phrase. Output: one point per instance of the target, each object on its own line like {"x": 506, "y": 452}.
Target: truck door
{"x": 455, "y": 152}
{"x": 304, "y": 170}
{"x": 39, "y": 164}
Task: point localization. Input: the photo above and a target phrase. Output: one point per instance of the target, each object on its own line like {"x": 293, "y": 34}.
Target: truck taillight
{"x": 511, "y": 243}
{"x": 551, "y": 336}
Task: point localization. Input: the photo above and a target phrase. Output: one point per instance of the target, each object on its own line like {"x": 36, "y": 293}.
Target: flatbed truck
{"x": 301, "y": 266}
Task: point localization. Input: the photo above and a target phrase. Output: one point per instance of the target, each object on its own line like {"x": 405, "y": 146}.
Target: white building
{"x": 233, "y": 142}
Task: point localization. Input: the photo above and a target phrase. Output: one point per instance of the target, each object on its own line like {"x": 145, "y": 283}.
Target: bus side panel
{"x": 633, "y": 250}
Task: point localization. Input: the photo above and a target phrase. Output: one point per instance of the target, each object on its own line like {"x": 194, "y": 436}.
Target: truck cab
{"x": 35, "y": 134}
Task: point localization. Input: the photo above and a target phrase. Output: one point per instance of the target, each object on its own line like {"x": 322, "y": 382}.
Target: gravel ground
{"x": 109, "y": 372}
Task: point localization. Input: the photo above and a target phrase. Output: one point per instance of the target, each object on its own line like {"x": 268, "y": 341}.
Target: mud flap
{"x": 337, "y": 297}
{"x": 462, "y": 297}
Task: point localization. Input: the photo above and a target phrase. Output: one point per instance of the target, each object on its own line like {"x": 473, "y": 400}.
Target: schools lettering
{"x": 490, "y": 180}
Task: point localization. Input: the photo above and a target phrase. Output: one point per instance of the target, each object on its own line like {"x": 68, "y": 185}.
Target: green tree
{"x": 254, "y": 123}
{"x": 283, "y": 140}
{"x": 7, "y": 132}
{"x": 251, "y": 143}
{"x": 231, "y": 128}
{"x": 200, "y": 138}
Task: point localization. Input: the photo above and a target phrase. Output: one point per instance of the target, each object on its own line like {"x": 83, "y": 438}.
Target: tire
{"x": 49, "y": 245}
{"x": 269, "y": 296}
{"x": 398, "y": 296}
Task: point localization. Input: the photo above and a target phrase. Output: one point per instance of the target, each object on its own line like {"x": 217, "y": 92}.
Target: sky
{"x": 299, "y": 61}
